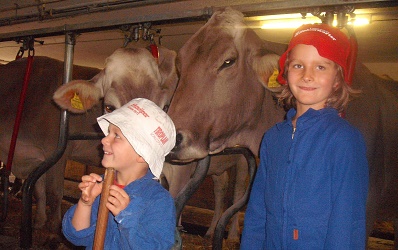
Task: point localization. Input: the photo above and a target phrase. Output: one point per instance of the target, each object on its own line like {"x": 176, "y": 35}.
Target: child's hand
{"x": 91, "y": 187}
{"x": 118, "y": 200}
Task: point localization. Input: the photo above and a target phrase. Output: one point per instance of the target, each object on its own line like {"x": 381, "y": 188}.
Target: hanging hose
{"x": 20, "y": 109}
{"x": 7, "y": 171}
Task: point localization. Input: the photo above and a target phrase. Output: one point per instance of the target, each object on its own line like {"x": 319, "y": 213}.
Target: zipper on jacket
{"x": 294, "y": 130}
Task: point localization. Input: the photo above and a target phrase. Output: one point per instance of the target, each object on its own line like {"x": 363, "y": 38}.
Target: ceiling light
{"x": 360, "y": 21}
{"x": 296, "y": 20}
{"x": 287, "y": 23}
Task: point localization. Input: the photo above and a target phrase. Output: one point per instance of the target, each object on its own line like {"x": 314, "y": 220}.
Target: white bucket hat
{"x": 147, "y": 127}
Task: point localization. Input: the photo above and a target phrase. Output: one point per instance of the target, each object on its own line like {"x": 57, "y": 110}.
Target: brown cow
{"x": 39, "y": 130}
{"x": 131, "y": 73}
{"x": 223, "y": 69}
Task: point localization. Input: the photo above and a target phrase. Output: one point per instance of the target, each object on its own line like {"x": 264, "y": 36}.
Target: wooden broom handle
{"x": 103, "y": 212}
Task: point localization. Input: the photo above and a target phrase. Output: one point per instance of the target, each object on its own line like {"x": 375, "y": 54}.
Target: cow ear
{"x": 77, "y": 96}
{"x": 267, "y": 69}
{"x": 167, "y": 68}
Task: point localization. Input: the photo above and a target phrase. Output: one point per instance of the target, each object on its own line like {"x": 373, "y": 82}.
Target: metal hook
{"x": 341, "y": 19}
{"x": 31, "y": 52}
{"x": 20, "y": 53}
{"x": 145, "y": 33}
{"x": 27, "y": 44}
{"x": 140, "y": 31}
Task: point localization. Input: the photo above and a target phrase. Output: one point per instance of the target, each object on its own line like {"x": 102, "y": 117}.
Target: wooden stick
{"x": 103, "y": 212}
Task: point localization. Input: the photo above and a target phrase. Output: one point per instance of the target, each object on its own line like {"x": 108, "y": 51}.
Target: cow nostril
{"x": 166, "y": 108}
{"x": 179, "y": 139}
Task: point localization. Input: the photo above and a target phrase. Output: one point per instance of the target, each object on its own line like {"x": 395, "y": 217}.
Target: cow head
{"x": 220, "y": 100}
{"x": 129, "y": 73}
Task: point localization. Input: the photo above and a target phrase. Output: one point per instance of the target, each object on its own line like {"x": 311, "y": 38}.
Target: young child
{"x": 311, "y": 185}
{"x": 142, "y": 213}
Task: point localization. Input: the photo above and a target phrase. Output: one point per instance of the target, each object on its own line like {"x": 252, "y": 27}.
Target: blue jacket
{"x": 311, "y": 186}
{"x": 148, "y": 222}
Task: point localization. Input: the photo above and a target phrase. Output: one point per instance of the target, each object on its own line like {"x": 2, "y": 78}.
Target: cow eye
{"x": 109, "y": 108}
{"x": 227, "y": 63}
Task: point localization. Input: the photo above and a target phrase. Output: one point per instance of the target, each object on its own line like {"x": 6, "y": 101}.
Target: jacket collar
{"x": 307, "y": 119}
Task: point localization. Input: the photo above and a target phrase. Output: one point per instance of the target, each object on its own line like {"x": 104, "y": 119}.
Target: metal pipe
{"x": 190, "y": 188}
{"x": 28, "y": 185}
{"x": 51, "y": 13}
{"x": 197, "y": 178}
{"x": 5, "y": 173}
{"x": 329, "y": 17}
{"x": 70, "y": 42}
{"x": 186, "y": 15}
{"x": 227, "y": 215}
{"x": 6, "y": 184}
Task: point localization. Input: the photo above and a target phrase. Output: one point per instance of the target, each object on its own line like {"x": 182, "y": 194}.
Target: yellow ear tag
{"x": 272, "y": 83}
{"x": 76, "y": 102}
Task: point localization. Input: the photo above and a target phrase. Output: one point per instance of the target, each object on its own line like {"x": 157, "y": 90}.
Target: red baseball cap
{"x": 330, "y": 42}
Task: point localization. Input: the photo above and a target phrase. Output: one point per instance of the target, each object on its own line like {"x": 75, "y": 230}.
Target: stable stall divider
{"x": 193, "y": 184}
{"x": 198, "y": 177}
{"x": 28, "y": 185}
{"x": 5, "y": 172}
{"x": 234, "y": 208}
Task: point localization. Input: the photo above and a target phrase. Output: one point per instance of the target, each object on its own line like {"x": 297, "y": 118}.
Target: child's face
{"x": 118, "y": 152}
{"x": 311, "y": 78}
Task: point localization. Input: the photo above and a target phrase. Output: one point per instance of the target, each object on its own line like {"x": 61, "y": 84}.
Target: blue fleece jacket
{"x": 311, "y": 186}
{"x": 148, "y": 222}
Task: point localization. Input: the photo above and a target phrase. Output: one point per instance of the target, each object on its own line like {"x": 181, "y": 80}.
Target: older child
{"x": 138, "y": 137}
{"x": 311, "y": 186}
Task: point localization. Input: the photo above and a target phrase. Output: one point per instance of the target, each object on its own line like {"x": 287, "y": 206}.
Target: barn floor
{"x": 196, "y": 219}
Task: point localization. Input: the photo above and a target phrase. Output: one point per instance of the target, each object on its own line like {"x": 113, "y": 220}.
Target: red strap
{"x": 19, "y": 112}
{"x": 154, "y": 51}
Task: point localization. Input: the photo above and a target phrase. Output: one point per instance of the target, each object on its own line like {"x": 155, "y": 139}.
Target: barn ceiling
{"x": 103, "y": 26}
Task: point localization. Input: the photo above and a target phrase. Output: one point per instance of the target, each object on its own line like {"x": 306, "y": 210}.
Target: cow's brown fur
{"x": 39, "y": 130}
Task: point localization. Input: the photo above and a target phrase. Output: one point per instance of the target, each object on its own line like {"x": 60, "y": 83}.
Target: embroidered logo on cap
{"x": 317, "y": 30}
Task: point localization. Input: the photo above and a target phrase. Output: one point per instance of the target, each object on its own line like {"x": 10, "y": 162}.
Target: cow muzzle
{"x": 187, "y": 149}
